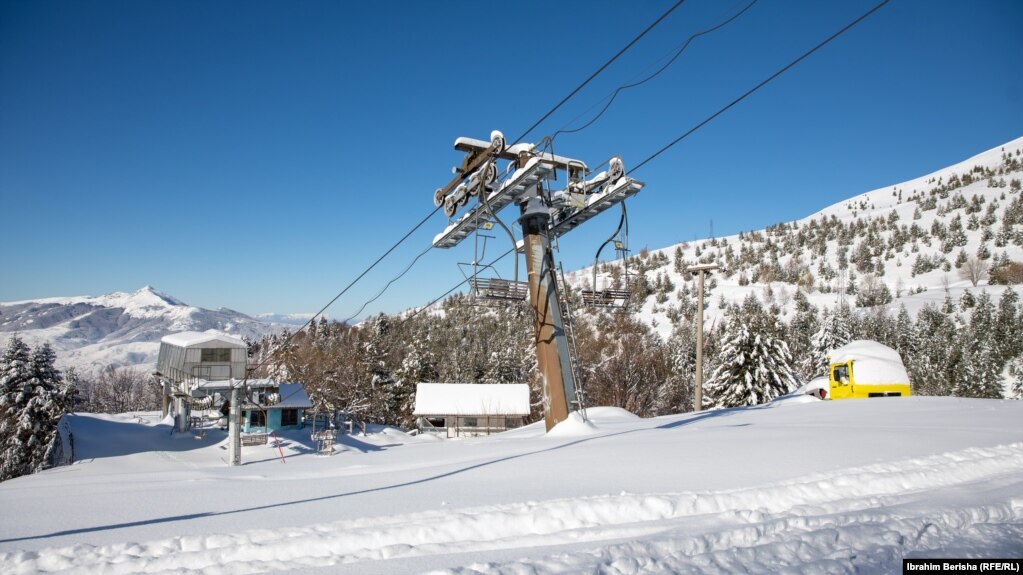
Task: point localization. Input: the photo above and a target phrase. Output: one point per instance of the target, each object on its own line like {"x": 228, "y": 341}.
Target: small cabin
{"x": 470, "y": 409}
{"x": 276, "y": 407}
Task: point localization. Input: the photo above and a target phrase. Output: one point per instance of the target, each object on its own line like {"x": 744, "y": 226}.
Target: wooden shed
{"x": 470, "y": 409}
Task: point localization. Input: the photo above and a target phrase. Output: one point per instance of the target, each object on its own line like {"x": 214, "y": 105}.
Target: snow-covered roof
{"x": 873, "y": 362}
{"x": 293, "y": 396}
{"x": 472, "y": 399}
{"x": 192, "y": 338}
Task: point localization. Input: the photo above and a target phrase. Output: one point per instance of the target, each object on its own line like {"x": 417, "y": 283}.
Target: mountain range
{"x": 120, "y": 329}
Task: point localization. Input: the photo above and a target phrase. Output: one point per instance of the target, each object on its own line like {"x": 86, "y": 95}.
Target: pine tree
{"x": 1008, "y": 326}
{"x": 45, "y": 407}
{"x": 801, "y": 331}
{"x": 29, "y": 407}
{"x": 834, "y": 332}
{"x": 1017, "y": 384}
{"x": 980, "y": 375}
{"x": 676, "y": 394}
{"x": 933, "y": 370}
{"x": 418, "y": 366}
{"x": 15, "y": 373}
{"x": 753, "y": 367}
{"x": 907, "y": 342}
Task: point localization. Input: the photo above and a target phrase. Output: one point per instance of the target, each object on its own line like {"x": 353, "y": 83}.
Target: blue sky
{"x": 259, "y": 155}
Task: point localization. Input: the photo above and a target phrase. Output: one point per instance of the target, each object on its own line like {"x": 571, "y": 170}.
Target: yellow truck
{"x": 866, "y": 368}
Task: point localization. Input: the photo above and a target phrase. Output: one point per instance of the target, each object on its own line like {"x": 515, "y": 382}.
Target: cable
{"x": 517, "y": 140}
{"x": 434, "y": 211}
{"x": 698, "y": 126}
{"x": 394, "y": 279}
{"x": 761, "y": 84}
{"x": 349, "y": 286}
{"x": 678, "y": 53}
{"x": 447, "y": 293}
{"x": 634, "y": 169}
{"x": 599, "y": 70}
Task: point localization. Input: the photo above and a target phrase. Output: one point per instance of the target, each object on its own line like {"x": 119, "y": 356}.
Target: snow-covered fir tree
{"x": 30, "y": 407}
{"x": 754, "y": 366}
{"x": 833, "y": 333}
{"x": 1017, "y": 384}
{"x": 675, "y": 395}
{"x": 15, "y": 375}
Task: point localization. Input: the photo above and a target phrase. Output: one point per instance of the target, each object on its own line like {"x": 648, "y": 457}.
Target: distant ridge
{"x": 120, "y": 328}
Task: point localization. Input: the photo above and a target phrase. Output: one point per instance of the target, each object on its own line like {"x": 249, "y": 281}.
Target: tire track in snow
{"x": 821, "y": 515}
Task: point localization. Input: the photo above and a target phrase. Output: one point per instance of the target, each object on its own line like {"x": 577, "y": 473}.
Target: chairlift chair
{"x": 324, "y": 433}
{"x": 611, "y": 297}
{"x": 493, "y": 289}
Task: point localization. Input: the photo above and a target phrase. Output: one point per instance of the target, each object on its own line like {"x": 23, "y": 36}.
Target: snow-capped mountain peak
{"x": 120, "y": 328}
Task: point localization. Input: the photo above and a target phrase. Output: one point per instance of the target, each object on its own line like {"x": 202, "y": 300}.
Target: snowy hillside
{"x": 798, "y": 484}
{"x": 116, "y": 329}
{"x": 914, "y": 241}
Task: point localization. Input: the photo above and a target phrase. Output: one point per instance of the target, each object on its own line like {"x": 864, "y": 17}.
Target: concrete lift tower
{"x": 544, "y": 217}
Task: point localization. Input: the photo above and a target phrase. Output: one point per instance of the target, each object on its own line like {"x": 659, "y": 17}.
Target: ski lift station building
{"x": 198, "y": 369}
{"x": 470, "y": 409}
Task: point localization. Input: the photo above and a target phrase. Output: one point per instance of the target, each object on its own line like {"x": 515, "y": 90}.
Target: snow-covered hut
{"x": 470, "y": 409}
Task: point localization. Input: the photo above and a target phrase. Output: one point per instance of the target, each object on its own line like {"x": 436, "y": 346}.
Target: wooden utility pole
{"x": 701, "y": 270}
{"x": 552, "y": 351}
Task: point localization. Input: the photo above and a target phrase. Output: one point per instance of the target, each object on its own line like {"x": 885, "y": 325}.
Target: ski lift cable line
{"x": 599, "y": 70}
{"x": 386, "y": 287}
{"x": 761, "y": 85}
{"x": 697, "y": 127}
{"x": 457, "y": 285}
{"x": 436, "y": 209}
{"x": 678, "y": 52}
{"x": 352, "y": 283}
{"x": 517, "y": 140}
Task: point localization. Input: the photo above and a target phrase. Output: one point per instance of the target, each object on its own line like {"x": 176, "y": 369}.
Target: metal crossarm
{"x": 520, "y": 182}
{"x": 596, "y": 203}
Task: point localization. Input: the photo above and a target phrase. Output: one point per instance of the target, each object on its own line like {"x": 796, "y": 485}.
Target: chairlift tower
{"x": 543, "y": 217}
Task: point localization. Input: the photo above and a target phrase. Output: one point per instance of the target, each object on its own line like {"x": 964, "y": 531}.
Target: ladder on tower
{"x": 566, "y": 321}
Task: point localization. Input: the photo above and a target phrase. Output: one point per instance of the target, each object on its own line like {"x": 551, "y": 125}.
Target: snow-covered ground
{"x": 798, "y": 485}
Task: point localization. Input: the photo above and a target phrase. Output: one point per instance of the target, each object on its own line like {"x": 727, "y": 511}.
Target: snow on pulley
{"x": 615, "y": 169}
{"x": 497, "y": 142}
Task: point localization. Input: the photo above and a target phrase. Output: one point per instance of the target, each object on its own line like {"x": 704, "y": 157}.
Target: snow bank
{"x": 816, "y": 521}
{"x": 574, "y": 426}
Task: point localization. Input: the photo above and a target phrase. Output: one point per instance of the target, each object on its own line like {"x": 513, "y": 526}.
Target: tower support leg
{"x": 552, "y": 350}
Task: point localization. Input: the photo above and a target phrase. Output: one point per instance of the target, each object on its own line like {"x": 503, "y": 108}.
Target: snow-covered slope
{"x": 118, "y": 329}
{"x": 796, "y": 486}
{"x": 898, "y": 226}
